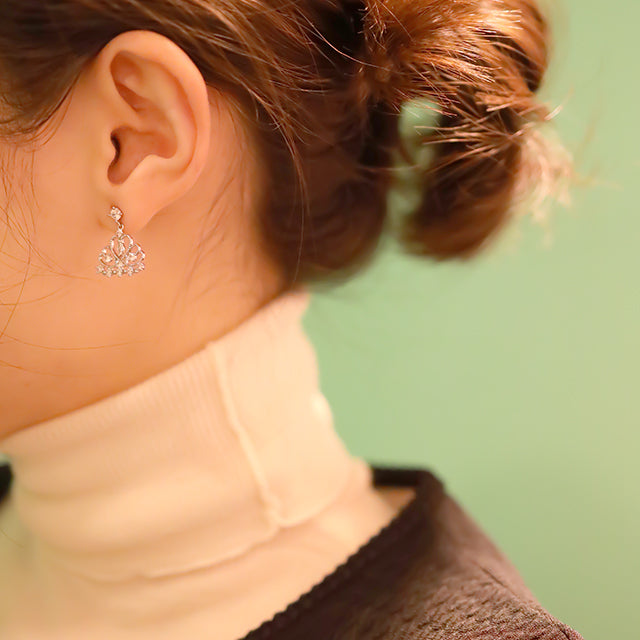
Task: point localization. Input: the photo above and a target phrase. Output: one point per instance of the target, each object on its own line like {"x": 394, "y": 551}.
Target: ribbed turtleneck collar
{"x": 190, "y": 467}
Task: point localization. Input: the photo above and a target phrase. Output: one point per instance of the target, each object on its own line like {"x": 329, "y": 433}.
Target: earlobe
{"x": 157, "y": 106}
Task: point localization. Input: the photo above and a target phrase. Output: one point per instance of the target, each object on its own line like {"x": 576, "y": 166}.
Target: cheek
{"x": 43, "y": 332}
{"x": 16, "y": 254}
{"x": 16, "y": 226}
{"x": 33, "y": 305}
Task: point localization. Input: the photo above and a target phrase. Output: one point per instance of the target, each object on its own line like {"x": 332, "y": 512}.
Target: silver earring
{"x": 122, "y": 256}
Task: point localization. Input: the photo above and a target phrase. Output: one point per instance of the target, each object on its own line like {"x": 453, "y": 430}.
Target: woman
{"x": 176, "y": 176}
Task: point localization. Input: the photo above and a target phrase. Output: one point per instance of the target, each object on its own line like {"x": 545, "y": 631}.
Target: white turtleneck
{"x": 196, "y": 504}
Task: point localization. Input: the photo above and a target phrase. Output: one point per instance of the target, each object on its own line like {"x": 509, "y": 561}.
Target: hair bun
{"x": 478, "y": 63}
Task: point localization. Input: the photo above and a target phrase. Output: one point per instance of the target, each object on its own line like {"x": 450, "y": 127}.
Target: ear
{"x": 153, "y": 119}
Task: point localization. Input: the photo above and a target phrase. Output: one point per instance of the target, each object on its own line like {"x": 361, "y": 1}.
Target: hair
{"x": 321, "y": 85}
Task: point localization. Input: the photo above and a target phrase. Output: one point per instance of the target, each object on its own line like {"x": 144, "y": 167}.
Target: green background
{"x": 514, "y": 377}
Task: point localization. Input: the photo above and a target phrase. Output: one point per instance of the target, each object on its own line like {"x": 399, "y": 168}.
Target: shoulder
{"x": 430, "y": 574}
{"x": 457, "y": 583}
{"x": 467, "y": 599}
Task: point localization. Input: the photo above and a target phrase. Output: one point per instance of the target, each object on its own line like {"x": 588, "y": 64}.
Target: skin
{"x": 183, "y": 173}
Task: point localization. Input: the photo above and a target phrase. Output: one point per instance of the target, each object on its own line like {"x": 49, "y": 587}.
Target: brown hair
{"x": 321, "y": 84}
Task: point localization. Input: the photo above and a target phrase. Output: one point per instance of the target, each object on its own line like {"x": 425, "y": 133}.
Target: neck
{"x": 190, "y": 467}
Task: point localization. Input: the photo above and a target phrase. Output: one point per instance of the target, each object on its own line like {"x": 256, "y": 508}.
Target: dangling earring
{"x": 122, "y": 256}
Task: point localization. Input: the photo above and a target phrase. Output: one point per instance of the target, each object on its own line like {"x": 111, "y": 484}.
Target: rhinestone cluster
{"x": 123, "y": 255}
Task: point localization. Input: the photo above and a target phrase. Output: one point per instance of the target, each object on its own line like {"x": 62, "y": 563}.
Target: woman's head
{"x": 250, "y": 145}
